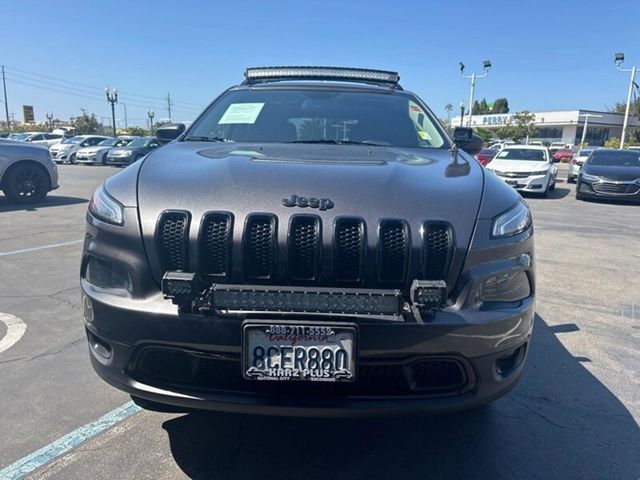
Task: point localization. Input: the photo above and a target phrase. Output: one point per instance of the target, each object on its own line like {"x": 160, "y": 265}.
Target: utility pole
{"x": 618, "y": 59}
{"x": 486, "y": 65}
{"x": 112, "y": 98}
{"x": 6, "y": 105}
{"x": 586, "y": 125}
{"x": 169, "y": 105}
{"x": 150, "y": 114}
{"x": 126, "y": 124}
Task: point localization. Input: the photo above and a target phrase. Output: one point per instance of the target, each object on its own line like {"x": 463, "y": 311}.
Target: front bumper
{"x": 85, "y": 158}
{"x": 119, "y": 160}
{"x": 622, "y": 191}
{"x": 533, "y": 183}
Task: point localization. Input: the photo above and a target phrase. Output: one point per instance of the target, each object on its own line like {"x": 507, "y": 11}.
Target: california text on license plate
{"x": 299, "y": 351}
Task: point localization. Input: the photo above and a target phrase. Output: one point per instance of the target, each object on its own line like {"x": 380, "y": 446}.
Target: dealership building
{"x": 562, "y": 126}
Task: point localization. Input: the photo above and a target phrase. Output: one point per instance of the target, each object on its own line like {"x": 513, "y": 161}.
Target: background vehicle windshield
{"x": 138, "y": 142}
{"x": 109, "y": 142}
{"x": 301, "y": 115}
{"x": 615, "y": 159}
{"x": 521, "y": 154}
{"x": 584, "y": 153}
{"x": 73, "y": 140}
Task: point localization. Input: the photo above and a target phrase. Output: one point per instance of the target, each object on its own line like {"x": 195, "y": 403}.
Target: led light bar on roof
{"x": 321, "y": 73}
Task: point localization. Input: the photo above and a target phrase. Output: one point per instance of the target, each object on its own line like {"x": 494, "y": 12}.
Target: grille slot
{"x": 215, "y": 244}
{"x": 437, "y": 250}
{"x": 172, "y": 240}
{"x": 619, "y": 188}
{"x": 393, "y": 251}
{"x": 305, "y": 244}
{"x": 259, "y": 247}
{"x": 348, "y": 250}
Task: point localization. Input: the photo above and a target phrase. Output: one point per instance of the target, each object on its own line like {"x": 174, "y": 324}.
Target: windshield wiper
{"x": 195, "y": 138}
{"x": 342, "y": 142}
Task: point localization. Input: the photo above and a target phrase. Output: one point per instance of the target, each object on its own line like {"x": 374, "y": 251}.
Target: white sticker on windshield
{"x": 246, "y": 113}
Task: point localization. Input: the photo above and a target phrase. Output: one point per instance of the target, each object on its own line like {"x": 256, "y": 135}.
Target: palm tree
{"x": 448, "y": 108}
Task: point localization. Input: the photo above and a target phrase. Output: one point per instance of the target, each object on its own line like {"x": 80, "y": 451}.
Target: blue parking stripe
{"x": 71, "y": 440}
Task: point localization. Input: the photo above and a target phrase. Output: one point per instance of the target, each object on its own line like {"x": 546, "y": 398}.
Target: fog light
{"x": 107, "y": 274}
{"x": 180, "y": 287}
{"x": 102, "y": 349}
{"x": 429, "y": 294}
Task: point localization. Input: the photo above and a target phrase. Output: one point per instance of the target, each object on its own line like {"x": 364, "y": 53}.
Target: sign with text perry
{"x": 27, "y": 113}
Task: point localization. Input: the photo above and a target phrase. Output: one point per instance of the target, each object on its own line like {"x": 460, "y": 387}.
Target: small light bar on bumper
{"x": 321, "y": 73}
{"x": 307, "y": 300}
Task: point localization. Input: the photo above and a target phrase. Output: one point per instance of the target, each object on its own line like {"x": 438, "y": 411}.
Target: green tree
{"x": 613, "y": 142}
{"x": 86, "y": 124}
{"x": 485, "y": 133}
{"x": 519, "y": 127}
{"x": 448, "y": 108}
{"x": 501, "y": 105}
{"x": 476, "y": 108}
{"x": 484, "y": 107}
{"x": 138, "y": 131}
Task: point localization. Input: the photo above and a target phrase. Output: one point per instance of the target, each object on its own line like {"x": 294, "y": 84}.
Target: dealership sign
{"x": 497, "y": 119}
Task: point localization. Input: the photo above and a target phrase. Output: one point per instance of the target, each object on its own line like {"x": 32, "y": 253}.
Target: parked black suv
{"x": 314, "y": 244}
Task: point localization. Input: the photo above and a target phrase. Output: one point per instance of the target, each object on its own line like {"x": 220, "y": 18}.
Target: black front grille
{"x": 437, "y": 250}
{"x": 305, "y": 245}
{"x": 215, "y": 244}
{"x": 190, "y": 370}
{"x": 393, "y": 251}
{"x": 171, "y": 239}
{"x": 349, "y": 247}
{"x": 259, "y": 247}
{"x": 619, "y": 188}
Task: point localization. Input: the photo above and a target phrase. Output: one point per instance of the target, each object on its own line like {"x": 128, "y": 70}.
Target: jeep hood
{"x": 368, "y": 182}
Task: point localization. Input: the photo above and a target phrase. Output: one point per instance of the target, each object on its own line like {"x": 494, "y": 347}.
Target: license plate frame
{"x": 308, "y": 335}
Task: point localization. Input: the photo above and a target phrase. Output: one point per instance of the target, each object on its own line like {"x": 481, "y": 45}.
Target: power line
{"x": 187, "y": 105}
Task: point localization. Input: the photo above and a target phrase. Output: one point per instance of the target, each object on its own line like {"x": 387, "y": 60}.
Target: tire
{"x": 570, "y": 179}
{"x": 26, "y": 183}
{"x": 553, "y": 186}
{"x": 104, "y": 160}
{"x": 72, "y": 159}
{"x": 578, "y": 196}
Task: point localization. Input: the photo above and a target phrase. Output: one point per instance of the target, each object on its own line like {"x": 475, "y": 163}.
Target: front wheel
{"x": 72, "y": 159}
{"x": 27, "y": 183}
{"x": 570, "y": 179}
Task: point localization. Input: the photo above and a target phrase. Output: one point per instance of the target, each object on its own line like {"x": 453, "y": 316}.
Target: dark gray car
{"x": 314, "y": 244}
{"x": 134, "y": 150}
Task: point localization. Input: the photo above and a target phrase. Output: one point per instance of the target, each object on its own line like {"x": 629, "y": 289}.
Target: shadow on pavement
{"x": 49, "y": 201}
{"x": 559, "y": 422}
{"x": 556, "y": 194}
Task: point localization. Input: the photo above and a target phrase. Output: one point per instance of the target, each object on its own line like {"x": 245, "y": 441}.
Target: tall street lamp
{"x": 586, "y": 125}
{"x": 618, "y": 59}
{"x": 49, "y": 120}
{"x": 112, "y": 98}
{"x": 486, "y": 65}
{"x": 150, "y": 114}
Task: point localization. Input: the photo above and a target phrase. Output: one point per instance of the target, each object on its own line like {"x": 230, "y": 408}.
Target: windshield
{"x": 615, "y": 159}
{"x": 73, "y": 140}
{"x": 584, "y": 153}
{"x": 318, "y": 116}
{"x": 138, "y": 142}
{"x": 20, "y": 136}
{"x": 109, "y": 142}
{"x": 521, "y": 154}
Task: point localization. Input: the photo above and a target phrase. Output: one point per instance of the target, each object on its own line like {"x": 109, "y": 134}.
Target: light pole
{"x": 586, "y": 125}
{"x": 462, "y": 114}
{"x": 150, "y": 114}
{"x": 486, "y": 65}
{"x": 112, "y": 98}
{"x": 618, "y": 59}
{"x": 49, "y": 120}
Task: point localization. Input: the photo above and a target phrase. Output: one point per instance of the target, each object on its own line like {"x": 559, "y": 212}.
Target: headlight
{"x": 512, "y": 222}
{"x": 126, "y": 153}
{"x": 589, "y": 178}
{"x": 541, "y": 172}
{"x": 106, "y": 208}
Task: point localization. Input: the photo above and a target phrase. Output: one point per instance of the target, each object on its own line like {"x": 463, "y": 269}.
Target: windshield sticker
{"x": 424, "y": 135}
{"x": 245, "y": 113}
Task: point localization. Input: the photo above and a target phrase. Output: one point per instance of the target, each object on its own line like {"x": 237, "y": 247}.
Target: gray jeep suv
{"x": 313, "y": 244}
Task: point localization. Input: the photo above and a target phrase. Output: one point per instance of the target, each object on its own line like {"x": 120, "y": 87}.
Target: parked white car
{"x": 27, "y": 173}
{"x": 44, "y": 138}
{"x": 98, "y": 154}
{"x": 576, "y": 163}
{"x": 66, "y": 150}
{"x": 527, "y": 168}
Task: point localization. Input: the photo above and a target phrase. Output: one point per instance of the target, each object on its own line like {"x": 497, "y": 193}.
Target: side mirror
{"x": 168, "y": 133}
{"x": 465, "y": 139}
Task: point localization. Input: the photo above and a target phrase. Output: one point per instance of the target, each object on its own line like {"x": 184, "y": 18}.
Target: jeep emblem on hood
{"x": 313, "y": 202}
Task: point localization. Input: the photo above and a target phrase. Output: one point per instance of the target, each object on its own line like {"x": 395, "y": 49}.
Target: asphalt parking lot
{"x": 575, "y": 414}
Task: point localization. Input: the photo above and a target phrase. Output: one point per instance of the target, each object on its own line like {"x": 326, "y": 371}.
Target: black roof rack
{"x": 363, "y": 75}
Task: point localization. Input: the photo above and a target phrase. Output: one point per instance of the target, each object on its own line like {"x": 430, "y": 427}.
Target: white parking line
{"x": 62, "y": 445}
{"x": 15, "y": 331}
{"x": 43, "y": 247}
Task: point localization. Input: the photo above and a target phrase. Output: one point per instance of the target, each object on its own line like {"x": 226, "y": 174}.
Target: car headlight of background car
{"x": 106, "y": 208}
{"x": 513, "y": 221}
{"x": 589, "y": 178}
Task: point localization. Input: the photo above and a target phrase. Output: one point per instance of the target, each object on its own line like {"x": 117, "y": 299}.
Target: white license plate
{"x": 313, "y": 352}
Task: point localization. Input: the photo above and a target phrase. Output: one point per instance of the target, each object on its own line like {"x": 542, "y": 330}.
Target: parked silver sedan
{"x": 97, "y": 155}
{"x": 27, "y": 172}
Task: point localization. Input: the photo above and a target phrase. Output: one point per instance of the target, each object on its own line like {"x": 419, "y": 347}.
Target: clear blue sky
{"x": 546, "y": 54}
